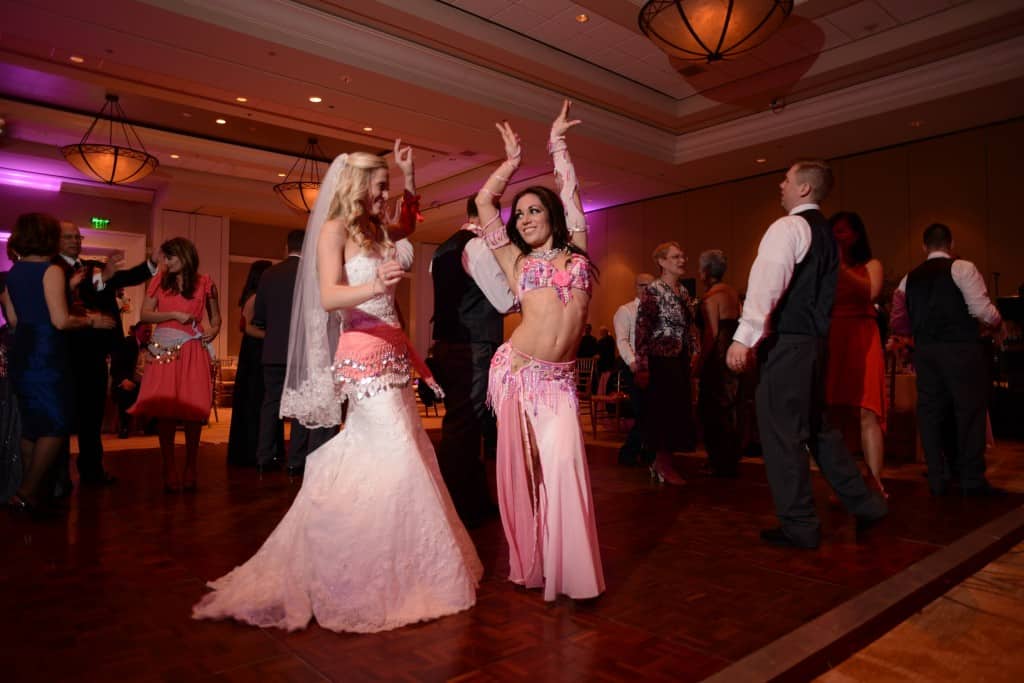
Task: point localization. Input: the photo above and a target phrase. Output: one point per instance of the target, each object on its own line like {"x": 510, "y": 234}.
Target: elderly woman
{"x": 719, "y": 386}
{"x": 665, "y": 347}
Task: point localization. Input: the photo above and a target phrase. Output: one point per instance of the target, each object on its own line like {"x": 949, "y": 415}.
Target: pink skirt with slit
{"x": 547, "y": 506}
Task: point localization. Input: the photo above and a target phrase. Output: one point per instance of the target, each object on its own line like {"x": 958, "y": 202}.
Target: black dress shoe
{"x": 296, "y": 471}
{"x": 265, "y": 467}
{"x": 865, "y": 524}
{"x": 99, "y": 480}
{"x": 778, "y": 537}
{"x": 986, "y": 491}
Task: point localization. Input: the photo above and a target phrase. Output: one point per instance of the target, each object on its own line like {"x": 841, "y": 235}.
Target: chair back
{"x": 584, "y": 376}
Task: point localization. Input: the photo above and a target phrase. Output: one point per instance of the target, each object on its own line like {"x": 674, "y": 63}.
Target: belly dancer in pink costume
{"x": 547, "y": 508}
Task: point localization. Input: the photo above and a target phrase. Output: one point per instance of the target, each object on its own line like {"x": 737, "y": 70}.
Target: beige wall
{"x": 967, "y": 180}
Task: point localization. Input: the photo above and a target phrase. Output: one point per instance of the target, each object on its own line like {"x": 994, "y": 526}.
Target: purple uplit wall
{"x": 79, "y": 209}
{"x": 27, "y": 179}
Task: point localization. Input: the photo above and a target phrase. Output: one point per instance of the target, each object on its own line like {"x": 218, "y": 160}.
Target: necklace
{"x": 547, "y": 254}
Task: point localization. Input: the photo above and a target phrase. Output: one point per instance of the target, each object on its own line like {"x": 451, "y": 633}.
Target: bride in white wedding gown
{"x": 372, "y": 541}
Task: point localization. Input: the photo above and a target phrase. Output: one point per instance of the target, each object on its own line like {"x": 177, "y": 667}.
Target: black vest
{"x": 462, "y": 313}
{"x": 938, "y": 312}
{"x": 806, "y": 306}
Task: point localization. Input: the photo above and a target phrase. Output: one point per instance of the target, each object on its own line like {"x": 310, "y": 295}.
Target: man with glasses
{"x": 92, "y": 286}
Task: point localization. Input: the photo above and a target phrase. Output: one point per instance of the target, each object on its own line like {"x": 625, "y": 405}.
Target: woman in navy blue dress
{"x": 35, "y": 303}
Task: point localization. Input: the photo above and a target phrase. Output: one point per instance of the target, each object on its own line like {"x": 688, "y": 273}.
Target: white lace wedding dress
{"x": 372, "y": 541}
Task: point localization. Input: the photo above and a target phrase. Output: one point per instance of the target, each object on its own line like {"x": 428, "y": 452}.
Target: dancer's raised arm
{"x": 494, "y": 232}
{"x": 565, "y": 176}
{"x": 402, "y": 222}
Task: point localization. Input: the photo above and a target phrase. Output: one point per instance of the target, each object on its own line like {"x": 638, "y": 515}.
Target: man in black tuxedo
{"x": 470, "y": 297}
{"x": 271, "y": 321}
{"x": 89, "y": 347}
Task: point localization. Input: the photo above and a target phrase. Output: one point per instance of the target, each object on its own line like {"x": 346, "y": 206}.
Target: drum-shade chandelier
{"x": 299, "y": 190}
{"x": 108, "y": 162}
{"x": 711, "y": 30}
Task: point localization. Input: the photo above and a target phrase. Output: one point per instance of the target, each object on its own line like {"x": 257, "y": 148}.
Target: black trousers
{"x": 124, "y": 399}
{"x": 270, "y": 447}
{"x": 633, "y": 449}
{"x": 461, "y": 370}
{"x": 717, "y": 407}
{"x": 90, "y": 375}
{"x": 793, "y": 426}
{"x": 952, "y": 381}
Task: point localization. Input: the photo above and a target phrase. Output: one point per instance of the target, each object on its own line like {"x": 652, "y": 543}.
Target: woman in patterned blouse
{"x": 665, "y": 344}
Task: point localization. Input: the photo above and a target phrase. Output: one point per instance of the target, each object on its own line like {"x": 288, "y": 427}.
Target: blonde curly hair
{"x": 348, "y": 203}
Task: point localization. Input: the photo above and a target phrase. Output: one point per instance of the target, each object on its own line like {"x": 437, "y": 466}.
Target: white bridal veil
{"x": 309, "y": 395}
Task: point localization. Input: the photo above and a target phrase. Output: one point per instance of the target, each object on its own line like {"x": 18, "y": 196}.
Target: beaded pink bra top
{"x": 538, "y": 273}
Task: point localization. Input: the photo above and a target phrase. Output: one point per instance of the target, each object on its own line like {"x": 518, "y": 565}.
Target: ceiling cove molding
{"x": 316, "y": 32}
{"x": 969, "y": 71}
{"x": 512, "y": 41}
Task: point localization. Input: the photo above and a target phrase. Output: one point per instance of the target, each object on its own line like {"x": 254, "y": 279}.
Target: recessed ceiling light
{"x": 186, "y": 114}
{"x": 221, "y": 122}
{"x": 916, "y": 123}
{"x": 281, "y": 175}
{"x": 241, "y": 99}
{"x": 175, "y": 156}
{"x": 760, "y": 160}
{"x": 582, "y": 18}
{"x": 76, "y": 59}
{"x": 368, "y": 129}
{"x": 316, "y": 100}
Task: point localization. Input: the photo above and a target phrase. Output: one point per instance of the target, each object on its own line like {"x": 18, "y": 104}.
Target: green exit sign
{"x": 100, "y": 223}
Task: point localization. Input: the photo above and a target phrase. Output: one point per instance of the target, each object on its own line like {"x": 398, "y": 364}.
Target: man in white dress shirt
{"x": 785, "y": 318}
{"x": 624, "y": 322}
{"x": 471, "y": 296}
{"x": 943, "y": 303}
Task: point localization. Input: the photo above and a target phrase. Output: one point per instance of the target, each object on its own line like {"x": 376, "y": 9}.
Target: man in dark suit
{"x": 126, "y": 368}
{"x": 944, "y": 303}
{"x": 89, "y": 347}
{"x": 470, "y": 297}
{"x": 785, "y": 322}
{"x": 271, "y": 320}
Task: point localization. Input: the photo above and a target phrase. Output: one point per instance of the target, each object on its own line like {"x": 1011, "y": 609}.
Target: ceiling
{"x": 841, "y": 76}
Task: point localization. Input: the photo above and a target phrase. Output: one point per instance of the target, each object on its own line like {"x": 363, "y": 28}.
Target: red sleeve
{"x": 154, "y": 284}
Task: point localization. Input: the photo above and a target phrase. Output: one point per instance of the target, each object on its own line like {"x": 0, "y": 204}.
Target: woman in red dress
{"x": 178, "y": 386}
{"x": 856, "y": 368}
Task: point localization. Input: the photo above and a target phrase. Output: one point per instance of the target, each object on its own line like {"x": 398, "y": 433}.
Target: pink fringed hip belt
{"x": 371, "y": 360}
{"x": 535, "y": 382}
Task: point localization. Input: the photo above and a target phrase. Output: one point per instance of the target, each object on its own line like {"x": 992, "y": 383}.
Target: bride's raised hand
{"x": 513, "y": 150}
{"x": 563, "y": 123}
{"x": 403, "y": 158}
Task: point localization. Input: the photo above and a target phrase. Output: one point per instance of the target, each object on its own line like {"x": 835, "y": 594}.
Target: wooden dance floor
{"x": 105, "y": 593}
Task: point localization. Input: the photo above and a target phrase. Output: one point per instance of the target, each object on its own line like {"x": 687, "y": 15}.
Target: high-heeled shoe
{"x": 665, "y": 474}
{"x": 23, "y": 507}
{"x": 189, "y": 475}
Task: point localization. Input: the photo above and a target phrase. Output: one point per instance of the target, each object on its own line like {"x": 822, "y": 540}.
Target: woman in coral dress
{"x": 178, "y": 386}
{"x": 372, "y": 541}
{"x": 856, "y": 362}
